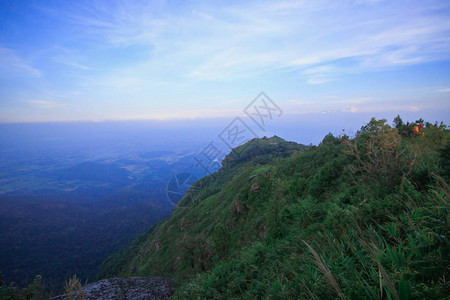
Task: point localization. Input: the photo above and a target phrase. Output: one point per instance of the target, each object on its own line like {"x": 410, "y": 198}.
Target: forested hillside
{"x": 353, "y": 218}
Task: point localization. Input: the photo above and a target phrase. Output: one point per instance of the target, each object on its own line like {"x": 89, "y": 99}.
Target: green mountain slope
{"x": 362, "y": 218}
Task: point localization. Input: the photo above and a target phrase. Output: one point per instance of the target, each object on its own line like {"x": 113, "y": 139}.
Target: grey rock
{"x": 128, "y": 288}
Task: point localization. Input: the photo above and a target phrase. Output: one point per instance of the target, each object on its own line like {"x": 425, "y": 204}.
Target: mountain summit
{"x": 360, "y": 218}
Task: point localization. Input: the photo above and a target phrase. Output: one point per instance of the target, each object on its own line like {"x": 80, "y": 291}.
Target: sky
{"x": 163, "y": 60}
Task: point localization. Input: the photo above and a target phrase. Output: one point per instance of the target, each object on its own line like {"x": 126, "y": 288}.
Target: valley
{"x": 67, "y": 202}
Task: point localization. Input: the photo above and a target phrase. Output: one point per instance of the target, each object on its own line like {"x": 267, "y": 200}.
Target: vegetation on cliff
{"x": 358, "y": 218}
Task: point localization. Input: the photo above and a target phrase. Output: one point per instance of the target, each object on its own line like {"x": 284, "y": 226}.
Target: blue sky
{"x": 125, "y": 60}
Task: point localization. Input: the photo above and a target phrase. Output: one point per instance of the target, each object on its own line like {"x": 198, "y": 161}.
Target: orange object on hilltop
{"x": 416, "y": 129}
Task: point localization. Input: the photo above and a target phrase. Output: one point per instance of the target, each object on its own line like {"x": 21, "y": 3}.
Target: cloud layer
{"x": 319, "y": 39}
{"x": 165, "y": 57}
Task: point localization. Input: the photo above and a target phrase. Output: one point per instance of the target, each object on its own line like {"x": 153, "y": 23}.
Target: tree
{"x": 329, "y": 139}
{"x": 398, "y": 122}
{"x": 374, "y": 126}
{"x": 379, "y": 153}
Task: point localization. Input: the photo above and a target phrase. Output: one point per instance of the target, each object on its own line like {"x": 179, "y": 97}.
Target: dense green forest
{"x": 363, "y": 217}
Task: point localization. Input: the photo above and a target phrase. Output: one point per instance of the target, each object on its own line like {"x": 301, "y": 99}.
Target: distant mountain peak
{"x": 261, "y": 151}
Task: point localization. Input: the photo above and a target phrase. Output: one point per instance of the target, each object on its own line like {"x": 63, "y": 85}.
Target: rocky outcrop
{"x": 255, "y": 187}
{"x": 128, "y": 288}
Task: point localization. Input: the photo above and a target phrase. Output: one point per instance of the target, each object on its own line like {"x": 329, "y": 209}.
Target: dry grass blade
{"x": 443, "y": 186}
{"x": 372, "y": 249}
{"x": 381, "y": 283}
{"x": 309, "y": 291}
{"x": 73, "y": 289}
{"x": 325, "y": 270}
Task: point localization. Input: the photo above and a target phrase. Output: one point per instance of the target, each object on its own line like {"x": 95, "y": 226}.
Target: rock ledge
{"x": 128, "y": 288}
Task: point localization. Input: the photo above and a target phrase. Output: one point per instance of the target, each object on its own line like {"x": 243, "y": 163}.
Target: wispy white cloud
{"x": 157, "y": 58}
{"x": 205, "y": 42}
{"x": 12, "y": 65}
{"x": 353, "y": 100}
{"x": 371, "y": 2}
{"x": 351, "y": 109}
{"x": 70, "y": 63}
{"x": 44, "y": 104}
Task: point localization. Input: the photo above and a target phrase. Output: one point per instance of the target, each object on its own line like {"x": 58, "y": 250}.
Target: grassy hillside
{"x": 361, "y": 218}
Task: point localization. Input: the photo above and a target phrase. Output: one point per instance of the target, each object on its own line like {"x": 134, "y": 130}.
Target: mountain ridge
{"x": 327, "y": 221}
